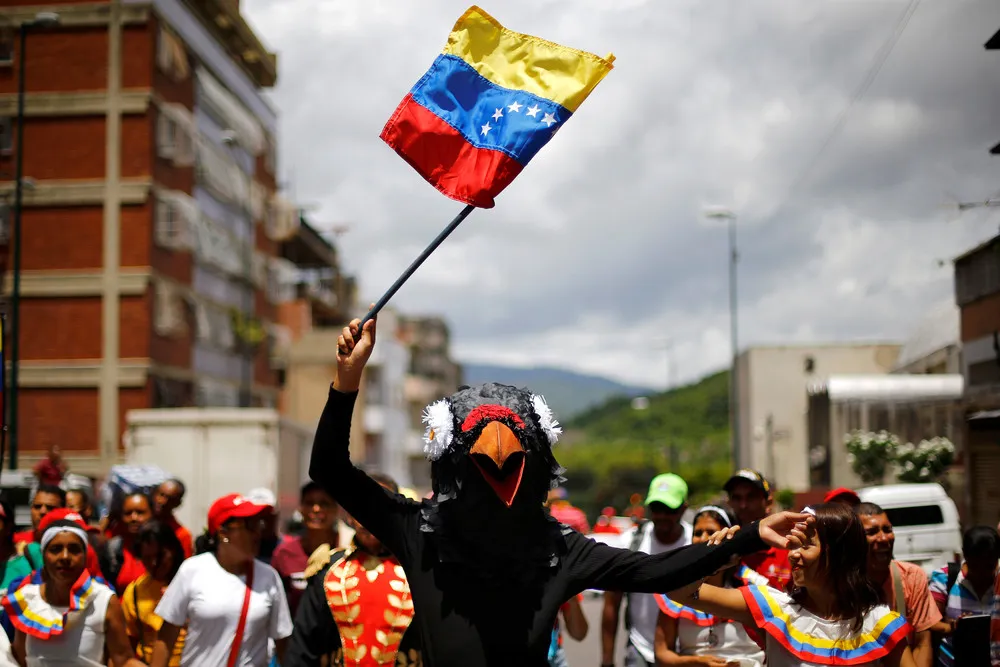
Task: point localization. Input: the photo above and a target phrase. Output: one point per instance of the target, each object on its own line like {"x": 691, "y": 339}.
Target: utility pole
{"x": 769, "y": 444}
{"x": 41, "y": 20}
{"x": 734, "y": 395}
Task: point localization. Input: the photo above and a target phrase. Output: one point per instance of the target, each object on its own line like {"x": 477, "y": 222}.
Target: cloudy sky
{"x": 599, "y": 254}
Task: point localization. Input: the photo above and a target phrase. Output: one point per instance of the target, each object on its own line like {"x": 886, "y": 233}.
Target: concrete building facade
{"x": 432, "y": 375}
{"x": 774, "y": 436}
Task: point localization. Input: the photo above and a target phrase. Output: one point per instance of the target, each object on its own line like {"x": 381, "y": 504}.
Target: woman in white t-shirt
{"x": 682, "y": 632}
{"x": 231, "y": 603}
{"x": 833, "y": 616}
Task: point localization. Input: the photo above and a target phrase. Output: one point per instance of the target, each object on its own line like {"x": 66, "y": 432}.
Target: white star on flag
{"x": 549, "y": 120}
{"x": 498, "y": 114}
{"x": 533, "y": 111}
{"x": 486, "y": 128}
{"x": 514, "y": 108}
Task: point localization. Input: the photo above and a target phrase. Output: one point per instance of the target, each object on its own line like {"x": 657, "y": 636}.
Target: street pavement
{"x": 588, "y": 652}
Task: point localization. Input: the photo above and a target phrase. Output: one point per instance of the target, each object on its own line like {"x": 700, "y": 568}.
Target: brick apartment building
{"x": 977, "y": 293}
{"x": 151, "y": 268}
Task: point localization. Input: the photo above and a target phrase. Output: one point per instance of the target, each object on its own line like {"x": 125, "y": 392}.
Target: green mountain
{"x": 613, "y": 450}
{"x": 567, "y": 393}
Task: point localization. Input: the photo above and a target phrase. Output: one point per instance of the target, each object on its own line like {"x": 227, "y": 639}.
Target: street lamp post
{"x": 734, "y": 396}
{"x": 41, "y": 20}
{"x": 230, "y": 139}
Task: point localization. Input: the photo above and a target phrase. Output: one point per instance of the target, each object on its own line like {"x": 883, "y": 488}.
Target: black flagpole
{"x": 416, "y": 264}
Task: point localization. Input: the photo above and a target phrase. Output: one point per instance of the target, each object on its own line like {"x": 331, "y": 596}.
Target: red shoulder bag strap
{"x": 234, "y": 652}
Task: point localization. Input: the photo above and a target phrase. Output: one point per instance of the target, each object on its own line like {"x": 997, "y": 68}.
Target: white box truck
{"x": 216, "y": 451}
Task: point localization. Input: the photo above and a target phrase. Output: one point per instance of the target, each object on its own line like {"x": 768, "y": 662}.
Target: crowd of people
{"x": 136, "y": 588}
{"x": 816, "y": 604}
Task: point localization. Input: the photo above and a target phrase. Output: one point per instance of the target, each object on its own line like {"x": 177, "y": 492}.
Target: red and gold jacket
{"x": 355, "y": 612}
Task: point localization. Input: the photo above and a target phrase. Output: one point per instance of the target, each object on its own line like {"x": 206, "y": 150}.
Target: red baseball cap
{"x": 233, "y": 506}
{"x": 844, "y": 493}
{"x": 64, "y": 514}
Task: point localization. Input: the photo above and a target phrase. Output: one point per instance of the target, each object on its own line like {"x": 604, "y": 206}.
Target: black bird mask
{"x": 500, "y": 434}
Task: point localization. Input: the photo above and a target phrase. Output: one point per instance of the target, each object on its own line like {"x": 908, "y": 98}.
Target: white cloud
{"x": 598, "y": 249}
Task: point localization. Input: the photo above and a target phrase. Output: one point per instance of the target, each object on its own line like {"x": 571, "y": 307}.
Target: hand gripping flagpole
{"x": 431, "y": 247}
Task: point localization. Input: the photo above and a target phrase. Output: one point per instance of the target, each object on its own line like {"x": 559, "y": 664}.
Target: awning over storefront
{"x": 890, "y": 388}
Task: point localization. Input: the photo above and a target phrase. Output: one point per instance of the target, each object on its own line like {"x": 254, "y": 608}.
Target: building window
{"x": 169, "y": 393}
{"x": 282, "y": 280}
{"x": 6, "y": 47}
{"x": 373, "y": 450}
{"x": 175, "y": 212}
{"x": 170, "y": 309}
{"x": 984, "y": 373}
{"x": 978, "y": 275}
{"x": 6, "y": 135}
{"x": 171, "y": 56}
{"x": 374, "y": 393}
{"x": 4, "y": 223}
{"x": 175, "y": 135}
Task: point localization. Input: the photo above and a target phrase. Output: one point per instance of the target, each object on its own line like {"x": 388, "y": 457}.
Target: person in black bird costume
{"x": 488, "y": 567}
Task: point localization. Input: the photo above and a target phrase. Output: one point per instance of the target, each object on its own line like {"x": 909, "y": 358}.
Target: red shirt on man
{"x": 772, "y": 564}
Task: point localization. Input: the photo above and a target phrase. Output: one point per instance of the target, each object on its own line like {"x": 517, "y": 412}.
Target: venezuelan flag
{"x": 487, "y": 105}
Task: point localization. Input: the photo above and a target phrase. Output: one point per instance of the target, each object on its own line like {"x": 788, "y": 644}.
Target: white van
{"x": 924, "y": 519}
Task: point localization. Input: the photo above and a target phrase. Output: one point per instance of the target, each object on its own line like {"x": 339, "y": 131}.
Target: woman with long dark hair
{"x": 683, "y": 633}
{"x": 833, "y": 615}
{"x": 161, "y": 553}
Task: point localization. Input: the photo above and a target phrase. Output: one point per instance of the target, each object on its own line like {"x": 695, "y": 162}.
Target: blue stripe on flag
{"x": 487, "y": 115}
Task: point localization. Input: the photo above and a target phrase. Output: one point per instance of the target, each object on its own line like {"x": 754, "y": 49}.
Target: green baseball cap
{"x": 668, "y": 489}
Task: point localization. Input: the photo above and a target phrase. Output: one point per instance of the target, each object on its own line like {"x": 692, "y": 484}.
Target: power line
{"x": 881, "y": 56}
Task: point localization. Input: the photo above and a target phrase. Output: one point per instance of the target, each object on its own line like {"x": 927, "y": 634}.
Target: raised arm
{"x": 386, "y": 514}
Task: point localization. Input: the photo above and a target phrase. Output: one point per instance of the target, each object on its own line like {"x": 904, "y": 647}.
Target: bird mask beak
{"x": 500, "y": 458}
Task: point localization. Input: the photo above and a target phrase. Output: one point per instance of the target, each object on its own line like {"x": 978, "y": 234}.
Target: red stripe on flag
{"x": 445, "y": 159}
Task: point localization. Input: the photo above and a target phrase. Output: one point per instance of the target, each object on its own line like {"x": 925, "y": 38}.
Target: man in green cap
{"x": 665, "y": 531}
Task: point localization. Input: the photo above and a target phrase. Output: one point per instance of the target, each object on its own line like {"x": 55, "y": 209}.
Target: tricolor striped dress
{"x": 795, "y": 637}
{"x": 699, "y": 633}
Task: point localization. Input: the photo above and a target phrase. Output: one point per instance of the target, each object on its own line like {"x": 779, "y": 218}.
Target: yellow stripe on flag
{"x": 522, "y": 62}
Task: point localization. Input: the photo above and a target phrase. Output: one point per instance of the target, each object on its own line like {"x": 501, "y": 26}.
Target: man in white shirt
{"x": 664, "y": 531}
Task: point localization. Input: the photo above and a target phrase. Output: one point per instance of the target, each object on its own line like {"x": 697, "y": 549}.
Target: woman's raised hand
{"x": 777, "y": 529}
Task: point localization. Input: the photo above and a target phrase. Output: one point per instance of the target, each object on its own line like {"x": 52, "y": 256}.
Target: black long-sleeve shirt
{"x": 463, "y": 623}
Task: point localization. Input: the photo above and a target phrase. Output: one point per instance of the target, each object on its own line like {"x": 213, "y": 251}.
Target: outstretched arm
{"x": 598, "y": 566}
{"x": 725, "y": 603}
{"x": 384, "y": 513}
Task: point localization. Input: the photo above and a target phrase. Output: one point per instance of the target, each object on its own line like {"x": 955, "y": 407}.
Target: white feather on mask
{"x": 546, "y": 419}
{"x": 440, "y": 424}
